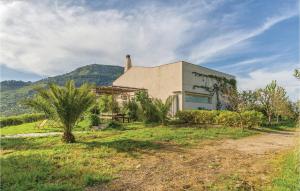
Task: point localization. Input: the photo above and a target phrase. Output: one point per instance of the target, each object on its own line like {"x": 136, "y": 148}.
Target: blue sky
{"x": 255, "y": 40}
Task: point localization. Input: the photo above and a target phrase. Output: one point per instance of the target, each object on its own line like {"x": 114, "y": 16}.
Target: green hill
{"x": 12, "y": 92}
{"x": 12, "y": 85}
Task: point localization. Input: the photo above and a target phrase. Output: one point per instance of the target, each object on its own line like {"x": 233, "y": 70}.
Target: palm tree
{"x": 163, "y": 108}
{"x": 64, "y": 104}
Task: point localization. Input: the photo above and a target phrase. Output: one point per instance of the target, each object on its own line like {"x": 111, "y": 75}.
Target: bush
{"x": 130, "y": 108}
{"x": 204, "y": 117}
{"x": 252, "y": 118}
{"x": 186, "y": 116}
{"x": 20, "y": 119}
{"x": 149, "y": 112}
{"x": 94, "y": 120}
{"x": 95, "y": 110}
{"x": 114, "y": 125}
{"x": 228, "y": 118}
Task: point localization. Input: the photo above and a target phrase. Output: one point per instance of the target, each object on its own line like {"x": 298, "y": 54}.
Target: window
{"x": 197, "y": 99}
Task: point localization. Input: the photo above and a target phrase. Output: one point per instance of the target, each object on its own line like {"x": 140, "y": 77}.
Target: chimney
{"x": 127, "y": 63}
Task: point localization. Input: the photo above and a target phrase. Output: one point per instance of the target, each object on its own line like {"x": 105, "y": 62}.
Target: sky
{"x": 255, "y": 40}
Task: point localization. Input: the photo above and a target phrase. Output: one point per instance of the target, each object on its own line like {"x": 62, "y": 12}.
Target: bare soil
{"x": 206, "y": 166}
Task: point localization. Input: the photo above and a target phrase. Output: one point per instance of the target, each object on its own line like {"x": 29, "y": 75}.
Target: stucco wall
{"x": 160, "y": 81}
{"x": 190, "y": 80}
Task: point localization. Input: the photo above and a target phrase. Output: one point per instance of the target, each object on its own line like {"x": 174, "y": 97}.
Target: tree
{"x": 131, "y": 109}
{"x": 107, "y": 104}
{"x": 266, "y": 97}
{"x": 274, "y": 101}
{"x": 148, "y": 109}
{"x": 249, "y": 98}
{"x": 66, "y": 104}
{"x": 163, "y": 108}
{"x": 236, "y": 102}
{"x": 297, "y": 73}
{"x": 282, "y": 106}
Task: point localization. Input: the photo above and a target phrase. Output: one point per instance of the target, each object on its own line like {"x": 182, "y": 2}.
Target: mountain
{"x": 94, "y": 73}
{"x": 12, "y": 92}
{"x": 12, "y": 84}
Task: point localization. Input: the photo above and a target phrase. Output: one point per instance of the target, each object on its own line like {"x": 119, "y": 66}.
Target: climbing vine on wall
{"x": 220, "y": 85}
{"x": 219, "y": 79}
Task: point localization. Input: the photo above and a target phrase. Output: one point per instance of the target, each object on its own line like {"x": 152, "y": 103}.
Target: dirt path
{"x": 204, "y": 167}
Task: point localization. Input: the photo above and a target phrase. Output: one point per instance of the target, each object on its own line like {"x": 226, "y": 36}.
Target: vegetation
{"x": 131, "y": 109}
{"x": 272, "y": 101}
{"x": 34, "y": 127}
{"x": 108, "y": 105}
{"x": 148, "y": 110}
{"x": 94, "y": 120}
{"x": 65, "y": 104}
{"x": 96, "y": 158}
{"x": 227, "y": 118}
{"x": 12, "y": 92}
{"x": 12, "y": 85}
{"x": 297, "y": 73}
{"x": 286, "y": 176}
{"x": 20, "y": 119}
{"x": 163, "y": 109}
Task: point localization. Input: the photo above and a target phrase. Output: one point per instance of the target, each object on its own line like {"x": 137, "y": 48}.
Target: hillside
{"x": 12, "y": 85}
{"x": 12, "y": 92}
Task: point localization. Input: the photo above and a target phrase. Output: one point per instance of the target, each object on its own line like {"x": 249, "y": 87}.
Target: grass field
{"x": 96, "y": 158}
{"x": 287, "y": 173}
{"x": 33, "y": 128}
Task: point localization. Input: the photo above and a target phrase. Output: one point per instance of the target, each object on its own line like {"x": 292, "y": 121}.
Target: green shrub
{"x": 186, "y": 116}
{"x": 20, "y": 119}
{"x": 252, "y": 118}
{"x": 95, "y": 110}
{"x": 94, "y": 120}
{"x": 228, "y": 118}
{"x": 130, "y": 108}
{"x": 245, "y": 119}
{"x": 148, "y": 110}
{"x": 114, "y": 125}
{"x": 203, "y": 117}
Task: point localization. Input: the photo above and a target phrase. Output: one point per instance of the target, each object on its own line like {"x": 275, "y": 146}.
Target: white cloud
{"x": 252, "y": 61}
{"x": 211, "y": 47}
{"x": 260, "y": 78}
{"x": 48, "y": 40}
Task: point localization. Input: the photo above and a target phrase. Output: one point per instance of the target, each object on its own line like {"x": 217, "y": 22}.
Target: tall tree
{"x": 266, "y": 98}
{"x": 249, "y": 98}
{"x": 236, "y": 102}
{"x": 281, "y": 103}
{"x": 66, "y": 104}
{"x": 274, "y": 101}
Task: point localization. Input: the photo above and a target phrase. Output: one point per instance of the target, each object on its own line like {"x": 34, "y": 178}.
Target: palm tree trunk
{"x": 68, "y": 137}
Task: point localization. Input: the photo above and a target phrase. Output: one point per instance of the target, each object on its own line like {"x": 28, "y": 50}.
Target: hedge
{"x": 228, "y": 118}
{"x": 20, "y": 119}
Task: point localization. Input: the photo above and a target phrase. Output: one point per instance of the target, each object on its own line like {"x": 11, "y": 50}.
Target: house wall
{"x": 190, "y": 80}
{"x": 161, "y": 81}
{"x": 174, "y": 79}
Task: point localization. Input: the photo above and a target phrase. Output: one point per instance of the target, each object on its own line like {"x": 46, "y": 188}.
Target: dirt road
{"x": 246, "y": 161}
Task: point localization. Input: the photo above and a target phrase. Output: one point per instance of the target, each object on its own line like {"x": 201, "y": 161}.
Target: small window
{"x": 197, "y": 99}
